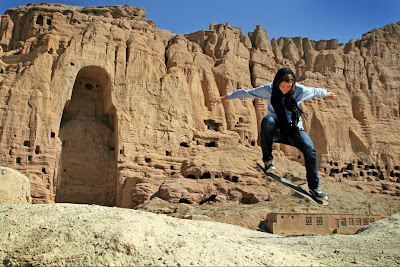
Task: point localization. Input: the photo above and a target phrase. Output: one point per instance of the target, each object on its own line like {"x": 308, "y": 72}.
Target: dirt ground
{"x": 73, "y": 234}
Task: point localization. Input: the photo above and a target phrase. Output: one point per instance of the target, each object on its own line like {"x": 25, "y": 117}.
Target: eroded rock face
{"x": 100, "y": 106}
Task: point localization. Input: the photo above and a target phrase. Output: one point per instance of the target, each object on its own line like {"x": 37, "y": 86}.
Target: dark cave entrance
{"x": 87, "y": 172}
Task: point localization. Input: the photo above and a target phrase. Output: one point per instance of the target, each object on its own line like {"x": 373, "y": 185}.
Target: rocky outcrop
{"x": 100, "y": 106}
{"x": 14, "y": 187}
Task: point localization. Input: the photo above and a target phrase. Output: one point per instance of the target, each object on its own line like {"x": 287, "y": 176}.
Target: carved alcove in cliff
{"x": 88, "y": 166}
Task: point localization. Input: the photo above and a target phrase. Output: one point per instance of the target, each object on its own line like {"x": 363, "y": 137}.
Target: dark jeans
{"x": 270, "y": 133}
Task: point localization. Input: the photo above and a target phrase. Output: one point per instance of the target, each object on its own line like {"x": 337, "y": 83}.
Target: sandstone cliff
{"x": 100, "y": 106}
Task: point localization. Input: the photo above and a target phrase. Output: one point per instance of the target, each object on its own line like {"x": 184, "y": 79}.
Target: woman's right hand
{"x": 218, "y": 100}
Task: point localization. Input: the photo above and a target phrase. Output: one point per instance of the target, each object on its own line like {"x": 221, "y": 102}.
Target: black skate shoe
{"x": 269, "y": 166}
{"x": 317, "y": 194}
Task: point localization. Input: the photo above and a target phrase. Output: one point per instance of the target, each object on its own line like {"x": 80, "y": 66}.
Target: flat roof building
{"x": 316, "y": 223}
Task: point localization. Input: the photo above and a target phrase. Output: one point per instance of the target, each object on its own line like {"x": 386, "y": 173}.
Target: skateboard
{"x": 295, "y": 188}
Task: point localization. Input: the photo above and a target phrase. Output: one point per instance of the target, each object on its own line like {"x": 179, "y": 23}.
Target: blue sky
{"x": 316, "y": 19}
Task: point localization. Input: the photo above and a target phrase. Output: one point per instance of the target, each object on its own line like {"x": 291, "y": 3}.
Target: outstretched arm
{"x": 263, "y": 92}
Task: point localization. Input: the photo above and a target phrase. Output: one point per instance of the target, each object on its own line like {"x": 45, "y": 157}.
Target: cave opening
{"x": 89, "y": 166}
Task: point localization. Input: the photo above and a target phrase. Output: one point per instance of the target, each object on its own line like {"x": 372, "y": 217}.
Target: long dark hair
{"x": 282, "y": 102}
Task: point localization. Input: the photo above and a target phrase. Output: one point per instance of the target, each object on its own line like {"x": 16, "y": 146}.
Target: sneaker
{"x": 269, "y": 166}
{"x": 317, "y": 193}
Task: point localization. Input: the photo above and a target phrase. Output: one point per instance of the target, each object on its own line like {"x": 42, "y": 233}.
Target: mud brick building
{"x": 317, "y": 223}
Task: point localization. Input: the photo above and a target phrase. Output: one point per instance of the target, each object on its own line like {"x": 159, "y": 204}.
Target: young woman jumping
{"x": 283, "y": 123}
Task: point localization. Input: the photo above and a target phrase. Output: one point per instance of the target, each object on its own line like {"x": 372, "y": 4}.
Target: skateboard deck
{"x": 295, "y": 188}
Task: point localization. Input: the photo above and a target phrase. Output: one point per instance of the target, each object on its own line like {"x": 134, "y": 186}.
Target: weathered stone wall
{"x": 100, "y": 106}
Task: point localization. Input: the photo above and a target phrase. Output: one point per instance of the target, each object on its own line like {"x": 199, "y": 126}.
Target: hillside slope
{"x": 70, "y": 234}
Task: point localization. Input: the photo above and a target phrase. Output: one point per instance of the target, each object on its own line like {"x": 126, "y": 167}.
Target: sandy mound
{"x": 66, "y": 234}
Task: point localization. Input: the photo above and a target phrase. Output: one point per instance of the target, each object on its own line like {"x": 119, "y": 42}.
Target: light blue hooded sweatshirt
{"x": 264, "y": 92}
